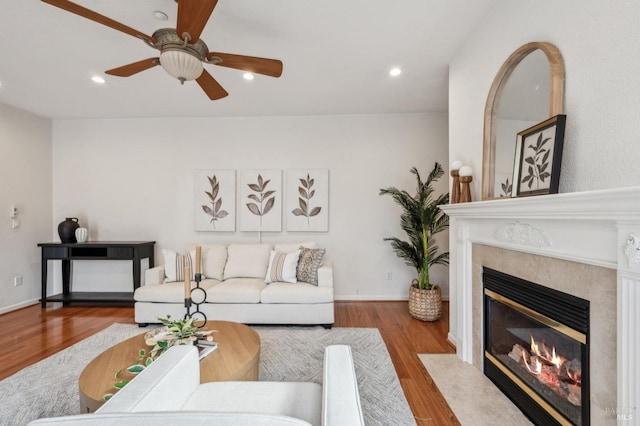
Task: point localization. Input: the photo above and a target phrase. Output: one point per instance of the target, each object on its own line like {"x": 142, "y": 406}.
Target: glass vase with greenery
{"x": 421, "y": 219}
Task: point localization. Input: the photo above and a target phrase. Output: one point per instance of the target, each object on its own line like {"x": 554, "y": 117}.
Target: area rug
{"x": 49, "y": 388}
{"x": 474, "y": 399}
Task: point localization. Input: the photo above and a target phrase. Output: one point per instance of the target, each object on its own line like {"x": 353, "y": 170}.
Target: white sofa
{"x": 237, "y": 289}
{"x": 169, "y": 392}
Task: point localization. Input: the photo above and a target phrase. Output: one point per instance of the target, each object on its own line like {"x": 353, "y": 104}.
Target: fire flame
{"x": 534, "y": 347}
{"x": 576, "y": 376}
{"x": 550, "y": 358}
{"x": 536, "y": 368}
{"x": 556, "y": 360}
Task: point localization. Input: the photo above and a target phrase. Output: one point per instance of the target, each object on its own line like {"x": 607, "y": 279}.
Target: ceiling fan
{"x": 182, "y": 53}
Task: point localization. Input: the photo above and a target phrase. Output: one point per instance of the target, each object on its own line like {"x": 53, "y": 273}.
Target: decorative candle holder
{"x": 197, "y": 296}
{"x": 465, "y": 179}
{"x": 455, "y": 185}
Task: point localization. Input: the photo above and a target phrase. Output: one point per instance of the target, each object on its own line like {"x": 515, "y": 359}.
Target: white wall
{"x": 132, "y": 179}
{"x": 25, "y": 176}
{"x": 599, "y": 43}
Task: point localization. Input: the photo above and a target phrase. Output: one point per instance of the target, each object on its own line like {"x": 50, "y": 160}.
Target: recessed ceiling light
{"x": 248, "y": 76}
{"x": 394, "y": 72}
{"x": 160, "y": 15}
{"x": 98, "y": 79}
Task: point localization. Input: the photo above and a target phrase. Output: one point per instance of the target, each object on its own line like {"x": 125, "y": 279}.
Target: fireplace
{"x": 536, "y": 342}
{"x": 581, "y": 243}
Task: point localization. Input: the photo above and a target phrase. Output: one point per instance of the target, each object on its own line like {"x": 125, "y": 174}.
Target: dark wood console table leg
{"x": 66, "y": 276}
{"x": 43, "y": 301}
{"x": 136, "y": 273}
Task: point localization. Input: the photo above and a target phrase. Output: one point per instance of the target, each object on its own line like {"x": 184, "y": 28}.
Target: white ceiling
{"x": 336, "y": 55}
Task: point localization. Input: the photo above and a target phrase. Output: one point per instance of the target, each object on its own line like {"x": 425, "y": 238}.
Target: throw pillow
{"x": 308, "y": 264}
{"x": 174, "y": 264}
{"x": 247, "y": 261}
{"x": 214, "y": 257}
{"x": 282, "y": 267}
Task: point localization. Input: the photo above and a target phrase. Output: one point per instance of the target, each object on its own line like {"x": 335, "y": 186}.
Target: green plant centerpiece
{"x": 421, "y": 219}
{"x": 174, "y": 332}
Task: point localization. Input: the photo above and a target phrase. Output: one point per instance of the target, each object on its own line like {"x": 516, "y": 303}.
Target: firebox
{"x": 536, "y": 348}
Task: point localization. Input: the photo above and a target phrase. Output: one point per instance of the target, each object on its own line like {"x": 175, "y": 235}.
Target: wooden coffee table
{"x": 237, "y": 358}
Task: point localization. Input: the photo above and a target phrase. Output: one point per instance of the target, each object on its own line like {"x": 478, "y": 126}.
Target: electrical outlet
{"x": 17, "y": 280}
{"x": 389, "y": 275}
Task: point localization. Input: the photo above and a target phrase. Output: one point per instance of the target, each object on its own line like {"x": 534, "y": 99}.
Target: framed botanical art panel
{"x": 260, "y": 203}
{"x": 538, "y": 157}
{"x": 215, "y": 200}
{"x": 307, "y": 200}
{"x": 503, "y": 185}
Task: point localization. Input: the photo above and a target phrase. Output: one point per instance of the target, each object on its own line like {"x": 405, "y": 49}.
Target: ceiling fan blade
{"x": 270, "y": 67}
{"x": 134, "y": 68}
{"x": 94, "y": 16}
{"x": 210, "y": 86}
{"x": 193, "y": 16}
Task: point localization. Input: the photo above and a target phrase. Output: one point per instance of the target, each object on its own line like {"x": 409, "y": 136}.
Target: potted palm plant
{"x": 421, "y": 219}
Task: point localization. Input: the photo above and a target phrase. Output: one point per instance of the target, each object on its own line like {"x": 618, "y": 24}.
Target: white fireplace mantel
{"x": 600, "y": 228}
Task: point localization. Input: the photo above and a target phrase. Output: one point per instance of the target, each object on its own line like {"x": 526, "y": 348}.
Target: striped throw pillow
{"x": 282, "y": 267}
{"x": 174, "y": 264}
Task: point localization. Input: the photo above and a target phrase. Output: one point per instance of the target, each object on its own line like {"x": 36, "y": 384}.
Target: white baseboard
{"x": 19, "y": 306}
{"x": 452, "y": 339}
{"x": 360, "y": 297}
{"x": 356, "y": 297}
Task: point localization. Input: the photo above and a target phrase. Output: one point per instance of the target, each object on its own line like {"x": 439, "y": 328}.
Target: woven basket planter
{"x": 425, "y": 305}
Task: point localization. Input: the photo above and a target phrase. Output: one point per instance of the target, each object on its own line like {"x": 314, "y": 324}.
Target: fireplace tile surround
{"x": 583, "y": 244}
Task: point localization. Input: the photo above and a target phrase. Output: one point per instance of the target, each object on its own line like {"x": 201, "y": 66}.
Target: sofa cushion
{"x": 282, "y": 267}
{"x": 308, "y": 264}
{"x": 237, "y": 290}
{"x": 300, "y": 400}
{"x": 289, "y": 247}
{"x": 214, "y": 257}
{"x": 168, "y": 292}
{"x": 247, "y": 261}
{"x": 296, "y": 293}
{"x": 174, "y": 264}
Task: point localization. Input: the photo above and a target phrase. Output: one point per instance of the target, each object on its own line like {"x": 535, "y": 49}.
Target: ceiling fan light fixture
{"x": 248, "y": 76}
{"x": 181, "y": 64}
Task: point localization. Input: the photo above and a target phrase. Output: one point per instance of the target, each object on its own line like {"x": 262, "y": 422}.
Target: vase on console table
{"x": 81, "y": 234}
{"x": 67, "y": 230}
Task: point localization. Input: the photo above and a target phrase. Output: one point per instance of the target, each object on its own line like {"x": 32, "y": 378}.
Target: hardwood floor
{"x": 32, "y": 334}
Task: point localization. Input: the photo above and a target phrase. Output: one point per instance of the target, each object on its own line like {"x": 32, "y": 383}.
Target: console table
{"x": 94, "y": 250}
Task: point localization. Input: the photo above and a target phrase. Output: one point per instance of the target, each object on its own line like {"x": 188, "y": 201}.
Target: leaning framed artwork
{"x": 538, "y": 157}
{"x": 215, "y": 200}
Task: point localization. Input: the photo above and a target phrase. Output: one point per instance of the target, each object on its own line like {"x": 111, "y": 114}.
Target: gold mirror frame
{"x": 556, "y": 104}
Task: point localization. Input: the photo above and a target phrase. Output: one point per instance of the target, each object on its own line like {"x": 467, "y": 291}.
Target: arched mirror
{"x": 528, "y": 89}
